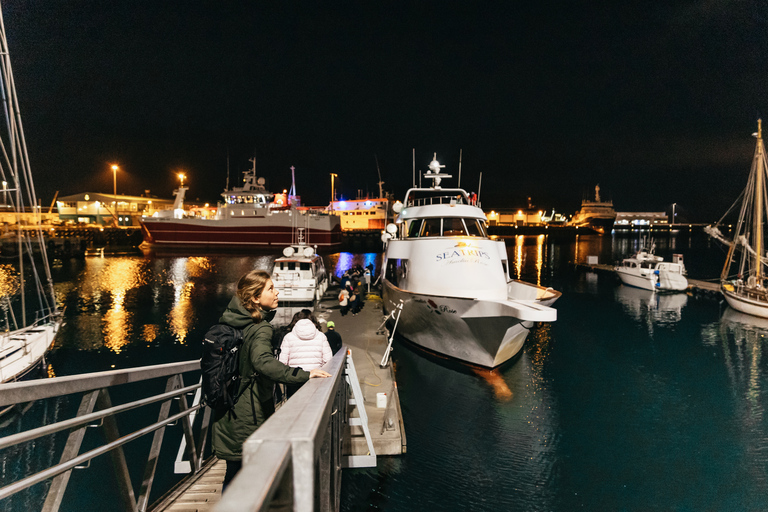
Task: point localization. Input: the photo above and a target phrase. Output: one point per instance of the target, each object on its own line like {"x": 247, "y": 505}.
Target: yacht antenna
{"x": 414, "y": 169}
{"x": 226, "y": 187}
{"x": 381, "y": 183}
{"x": 460, "y": 167}
{"x": 479, "y": 185}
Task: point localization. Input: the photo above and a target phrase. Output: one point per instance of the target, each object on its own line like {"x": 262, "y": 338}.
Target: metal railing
{"x": 294, "y": 459}
{"x": 96, "y": 406}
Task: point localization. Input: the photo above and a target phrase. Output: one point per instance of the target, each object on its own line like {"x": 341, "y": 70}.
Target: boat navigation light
{"x": 288, "y": 252}
{"x": 391, "y": 229}
{"x": 308, "y": 252}
{"x": 397, "y": 207}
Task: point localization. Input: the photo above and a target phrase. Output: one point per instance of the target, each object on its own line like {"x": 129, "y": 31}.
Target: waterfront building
{"x": 97, "y": 208}
{"x": 639, "y": 220}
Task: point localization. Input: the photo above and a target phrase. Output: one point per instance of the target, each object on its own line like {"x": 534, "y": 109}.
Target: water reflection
{"x": 651, "y": 308}
{"x": 523, "y": 248}
{"x": 741, "y": 339}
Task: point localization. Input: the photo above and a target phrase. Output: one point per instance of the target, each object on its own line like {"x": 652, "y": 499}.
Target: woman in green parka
{"x": 250, "y": 310}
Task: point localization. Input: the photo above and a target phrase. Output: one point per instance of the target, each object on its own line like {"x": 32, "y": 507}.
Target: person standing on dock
{"x": 251, "y": 309}
{"x": 334, "y": 338}
{"x": 344, "y": 301}
{"x": 305, "y": 347}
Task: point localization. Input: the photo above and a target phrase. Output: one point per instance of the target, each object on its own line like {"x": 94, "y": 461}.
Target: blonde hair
{"x": 250, "y": 286}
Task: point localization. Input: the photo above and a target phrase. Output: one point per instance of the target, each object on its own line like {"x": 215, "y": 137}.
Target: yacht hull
{"x": 745, "y": 304}
{"x": 239, "y": 233}
{"x": 663, "y": 282}
{"x": 23, "y": 350}
{"x": 482, "y": 333}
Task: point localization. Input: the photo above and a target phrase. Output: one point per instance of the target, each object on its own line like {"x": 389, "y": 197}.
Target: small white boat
{"x": 299, "y": 275}
{"x": 453, "y": 280}
{"x": 650, "y": 272}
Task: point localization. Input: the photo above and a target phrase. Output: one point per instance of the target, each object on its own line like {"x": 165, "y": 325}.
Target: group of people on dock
{"x": 354, "y": 283}
{"x": 301, "y": 347}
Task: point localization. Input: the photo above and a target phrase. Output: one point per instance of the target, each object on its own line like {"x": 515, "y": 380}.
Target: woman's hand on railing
{"x": 318, "y": 373}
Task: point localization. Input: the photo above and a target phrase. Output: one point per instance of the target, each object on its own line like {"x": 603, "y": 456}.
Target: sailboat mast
{"x": 759, "y": 159}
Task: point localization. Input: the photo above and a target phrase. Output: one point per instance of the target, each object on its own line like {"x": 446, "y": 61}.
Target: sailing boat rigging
{"x": 27, "y": 337}
{"x": 743, "y": 279}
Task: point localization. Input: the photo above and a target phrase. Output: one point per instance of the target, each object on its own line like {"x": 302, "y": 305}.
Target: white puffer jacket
{"x": 305, "y": 346}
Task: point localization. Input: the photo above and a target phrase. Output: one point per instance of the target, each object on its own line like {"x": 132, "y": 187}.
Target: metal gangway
{"x": 294, "y": 459}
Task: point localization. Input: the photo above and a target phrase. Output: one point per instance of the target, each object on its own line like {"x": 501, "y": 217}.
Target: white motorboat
{"x": 453, "y": 280}
{"x": 650, "y": 272}
{"x": 30, "y": 313}
{"x": 743, "y": 280}
{"x": 299, "y": 275}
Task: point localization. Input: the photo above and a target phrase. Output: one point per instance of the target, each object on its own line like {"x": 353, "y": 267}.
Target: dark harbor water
{"x": 630, "y": 401}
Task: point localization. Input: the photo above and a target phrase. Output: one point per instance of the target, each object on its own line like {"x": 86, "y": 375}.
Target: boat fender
{"x": 656, "y": 272}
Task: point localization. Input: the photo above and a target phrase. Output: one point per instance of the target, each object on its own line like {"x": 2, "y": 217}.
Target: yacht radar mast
{"x": 434, "y": 172}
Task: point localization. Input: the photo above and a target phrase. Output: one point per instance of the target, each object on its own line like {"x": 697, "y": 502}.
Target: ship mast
{"x": 759, "y": 158}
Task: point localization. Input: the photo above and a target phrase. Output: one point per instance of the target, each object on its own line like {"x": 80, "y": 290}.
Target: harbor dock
{"x": 361, "y": 335}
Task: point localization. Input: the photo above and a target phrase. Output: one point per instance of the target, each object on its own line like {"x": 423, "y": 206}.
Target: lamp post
{"x": 114, "y": 191}
{"x": 333, "y": 190}
{"x": 181, "y": 177}
{"x": 673, "y": 212}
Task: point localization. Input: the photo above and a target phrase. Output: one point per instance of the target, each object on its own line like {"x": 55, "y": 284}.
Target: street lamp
{"x": 114, "y": 191}
{"x": 333, "y": 190}
{"x": 673, "y": 212}
{"x": 181, "y": 177}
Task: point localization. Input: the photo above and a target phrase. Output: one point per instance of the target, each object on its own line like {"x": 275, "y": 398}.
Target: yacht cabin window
{"x": 430, "y": 227}
{"x": 450, "y": 226}
{"x": 454, "y": 227}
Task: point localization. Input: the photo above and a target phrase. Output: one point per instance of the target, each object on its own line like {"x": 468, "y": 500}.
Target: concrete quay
{"x": 367, "y": 345}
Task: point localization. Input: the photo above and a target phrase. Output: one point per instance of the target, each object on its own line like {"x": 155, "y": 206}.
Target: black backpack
{"x": 220, "y": 365}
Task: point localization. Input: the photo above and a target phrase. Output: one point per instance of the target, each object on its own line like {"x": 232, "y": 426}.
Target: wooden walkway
{"x": 199, "y": 493}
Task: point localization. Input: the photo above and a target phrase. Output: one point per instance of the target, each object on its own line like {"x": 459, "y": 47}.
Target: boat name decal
{"x": 436, "y": 308}
{"x": 463, "y": 254}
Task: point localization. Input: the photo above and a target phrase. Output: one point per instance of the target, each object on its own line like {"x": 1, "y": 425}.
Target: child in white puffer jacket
{"x": 305, "y": 346}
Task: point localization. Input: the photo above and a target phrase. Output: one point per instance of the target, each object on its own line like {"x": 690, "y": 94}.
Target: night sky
{"x": 656, "y": 103}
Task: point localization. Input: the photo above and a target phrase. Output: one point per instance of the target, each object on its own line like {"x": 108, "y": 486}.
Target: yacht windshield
{"x": 454, "y": 227}
{"x": 430, "y": 227}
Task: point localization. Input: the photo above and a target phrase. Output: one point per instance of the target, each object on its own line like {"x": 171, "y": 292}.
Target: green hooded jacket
{"x": 259, "y": 371}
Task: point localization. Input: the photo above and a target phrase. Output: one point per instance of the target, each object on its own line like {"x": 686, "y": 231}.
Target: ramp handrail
{"x": 296, "y": 449}
{"x": 96, "y": 404}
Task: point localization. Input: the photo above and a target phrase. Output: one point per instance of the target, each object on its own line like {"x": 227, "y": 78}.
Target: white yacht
{"x": 453, "y": 280}
{"x": 299, "y": 275}
{"x": 650, "y": 272}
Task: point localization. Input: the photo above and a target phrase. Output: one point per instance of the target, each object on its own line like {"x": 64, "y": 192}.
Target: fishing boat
{"x": 743, "y": 280}
{"x": 648, "y": 271}
{"x": 450, "y": 280}
{"x": 27, "y": 299}
{"x": 299, "y": 275}
{"x": 597, "y": 215}
{"x": 248, "y": 217}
